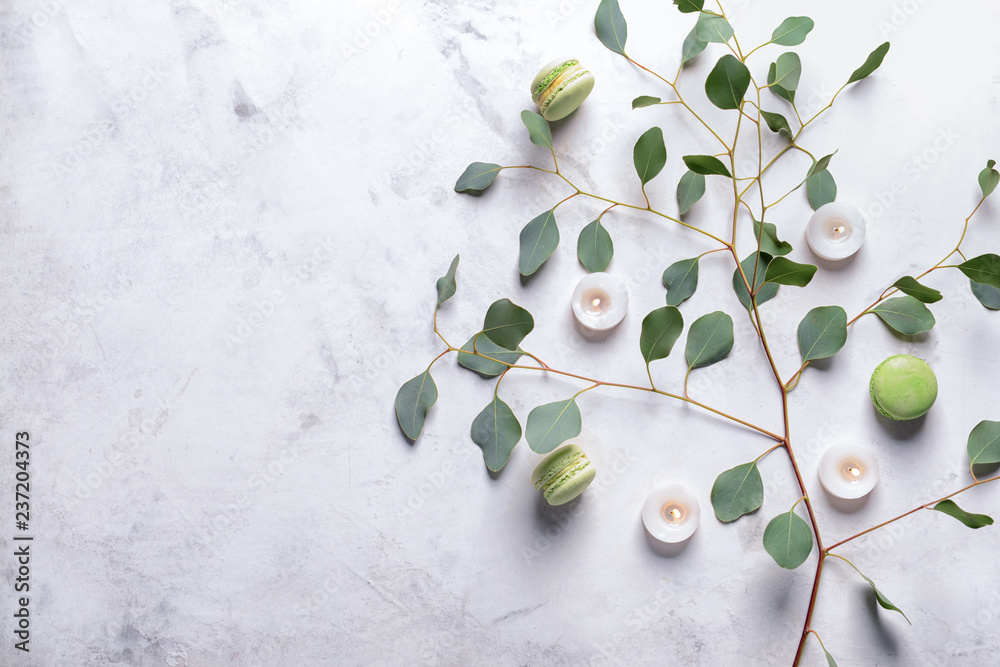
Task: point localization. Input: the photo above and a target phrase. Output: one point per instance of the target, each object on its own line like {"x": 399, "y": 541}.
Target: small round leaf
{"x": 727, "y": 83}
{"x": 413, "y": 400}
{"x": 788, "y": 540}
{"x": 552, "y": 424}
{"x": 594, "y": 247}
{"x": 737, "y": 491}
{"x": 496, "y": 431}
{"x": 710, "y": 340}
{"x": 822, "y": 332}
{"x": 660, "y": 330}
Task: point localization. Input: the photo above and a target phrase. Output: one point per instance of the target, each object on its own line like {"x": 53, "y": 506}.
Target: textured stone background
{"x": 221, "y": 225}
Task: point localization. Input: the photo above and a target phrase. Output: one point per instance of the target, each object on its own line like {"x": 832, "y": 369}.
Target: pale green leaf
{"x": 988, "y": 179}
{"x": 983, "y": 269}
{"x": 446, "y": 284}
{"x": 660, "y": 330}
{"x": 649, "y": 154}
{"x": 988, "y": 296}
{"x": 973, "y": 521}
{"x": 413, "y": 400}
{"x": 754, "y": 267}
{"x": 776, "y": 123}
{"x": 477, "y": 177}
{"x": 713, "y": 28}
{"x": 871, "y": 64}
{"x": 477, "y": 348}
{"x": 906, "y": 315}
{"x": 506, "y": 324}
{"x": 706, "y": 165}
{"x": 538, "y": 240}
{"x": 769, "y": 241}
{"x": 645, "y": 101}
{"x": 792, "y": 31}
{"x": 610, "y": 26}
{"x": 984, "y": 443}
{"x": 822, "y": 332}
{"x": 552, "y": 424}
{"x": 538, "y": 129}
{"x": 681, "y": 280}
{"x": 710, "y": 340}
{"x": 692, "y": 46}
{"x": 882, "y": 600}
{"x": 737, "y": 491}
{"x": 496, "y": 431}
{"x": 910, "y": 285}
{"x": 821, "y": 189}
{"x": 788, "y": 540}
{"x": 689, "y": 6}
{"x": 690, "y": 189}
{"x": 784, "y": 271}
{"x": 594, "y": 247}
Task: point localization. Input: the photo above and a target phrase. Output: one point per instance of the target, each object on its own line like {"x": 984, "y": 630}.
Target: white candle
{"x": 836, "y": 231}
{"x": 600, "y": 301}
{"x": 848, "y": 470}
{"x": 671, "y": 513}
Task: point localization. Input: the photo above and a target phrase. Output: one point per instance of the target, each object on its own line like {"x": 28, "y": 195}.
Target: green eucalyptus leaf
{"x": 988, "y": 296}
{"x": 645, "y": 101}
{"x": 538, "y": 240}
{"x": 830, "y": 662}
{"x": 783, "y": 75}
{"x": 478, "y": 347}
{"x": 983, "y": 269}
{"x": 649, "y": 154}
{"x": 755, "y": 264}
{"x": 737, "y": 491}
{"x": 784, "y": 271}
{"x": 988, "y": 179}
{"x": 689, "y": 6}
{"x": 882, "y": 600}
{"x": 690, "y": 189}
{"x": 769, "y": 241}
{"x": 710, "y": 340}
{"x": 477, "y": 177}
{"x": 413, "y": 400}
{"x": 681, "y": 280}
{"x": 610, "y": 26}
{"x": 871, "y": 64}
{"x": 821, "y": 189}
{"x": 446, "y": 284}
{"x": 910, "y": 285}
{"x": 538, "y": 129}
{"x": 821, "y": 164}
{"x": 496, "y": 431}
{"x": 660, "y": 330}
{"x": 906, "y": 315}
{"x": 594, "y": 247}
{"x": 713, "y": 28}
{"x": 776, "y": 123}
{"x": 822, "y": 332}
{"x": 950, "y": 508}
{"x": 984, "y": 443}
{"x": 788, "y": 540}
{"x": 792, "y": 31}
{"x": 506, "y": 324}
{"x": 552, "y": 424}
{"x": 692, "y": 46}
{"x": 727, "y": 83}
{"x": 706, "y": 165}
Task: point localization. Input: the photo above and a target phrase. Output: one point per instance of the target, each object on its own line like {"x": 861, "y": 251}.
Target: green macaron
{"x": 563, "y": 474}
{"x": 903, "y": 387}
{"x": 560, "y": 87}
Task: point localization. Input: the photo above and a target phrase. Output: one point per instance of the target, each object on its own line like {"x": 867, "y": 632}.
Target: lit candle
{"x": 600, "y": 301}
{"x": 836, "y": 231}
{"x": 848, "y": 470}
{"x": 671, "y": 513}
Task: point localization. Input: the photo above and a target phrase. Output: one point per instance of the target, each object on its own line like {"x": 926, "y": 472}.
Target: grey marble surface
{"x": 222, "y": 222}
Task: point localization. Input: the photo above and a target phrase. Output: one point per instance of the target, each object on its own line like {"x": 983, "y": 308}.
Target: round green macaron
{"x": 560, "y": 88}
{"x": 903, "y": 387}
{"x": 563, "y": 474}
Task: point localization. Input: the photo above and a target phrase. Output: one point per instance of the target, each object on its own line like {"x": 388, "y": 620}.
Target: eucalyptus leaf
{"x": 473, "y": 353}
{"x": 690, "y": 189}
{"x": 788, "y": 540}
{"x": 538, "y": 129}
{"x": 984, "y": 443}
{"x": 713, "y": 28}
{"x": 710, "y": 340}
{"x": 538, "y": 240}
{"x": 784, "y": 271}
{"x": 988, "y": 296}
{"x": 821, "y": 189}
{"x": 477, "y": 177}
{"x": 506, "y": 324}
{"x": 645, "y": 101}
{"x": 910, "y": 285}
{"x": 871, "y": 64}
{"x": 792, "y": 31}
{"x": 776, "y": 123}
{"x": 737, "y": 491}
{"x": 552, "y": 424}
{"x": 594, "y": 247}
{"x": 830, "y": 662}
{"x": 769, "y": 241}
{"x": 821, "y": 164}
{"x": 610, "y": 26}
{"x": 906, "y": 315}
{"x": 660, "y": 330}
{"x": 413, "y": 400}
{"x": 681, "y": 280}
{"x": 706, "y": 165}
{"x": 446, "y": 285}
{"x": 692, "y": 46}
{"x": 727, "y": 83}
{"x": 983, "y": 269}
{"x": 689, "y": 6}
{"x": 974, "y": 521}
{"x": 496, "y": 431}
{"x": 783, "y": 75}
{"x": 755, "y": 264}
{"x": 882, "y": 600}
{"x": 649, "y": 154}
{"x": 822, "y": 332}
{"x": 988, "y": 179}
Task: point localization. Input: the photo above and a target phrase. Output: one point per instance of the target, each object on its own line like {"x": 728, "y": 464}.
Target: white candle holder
{"x": 836, "y": 231}
{"x": 671, "y": 513}
{"x": 848, "y": 470}
{"x": 600, "y": 301}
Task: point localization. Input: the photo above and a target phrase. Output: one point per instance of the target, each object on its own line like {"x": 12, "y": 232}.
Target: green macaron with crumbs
{"x": 903, "y": 387}
{"x": 560, "y": 88}
{"x": 564, "y": 474}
